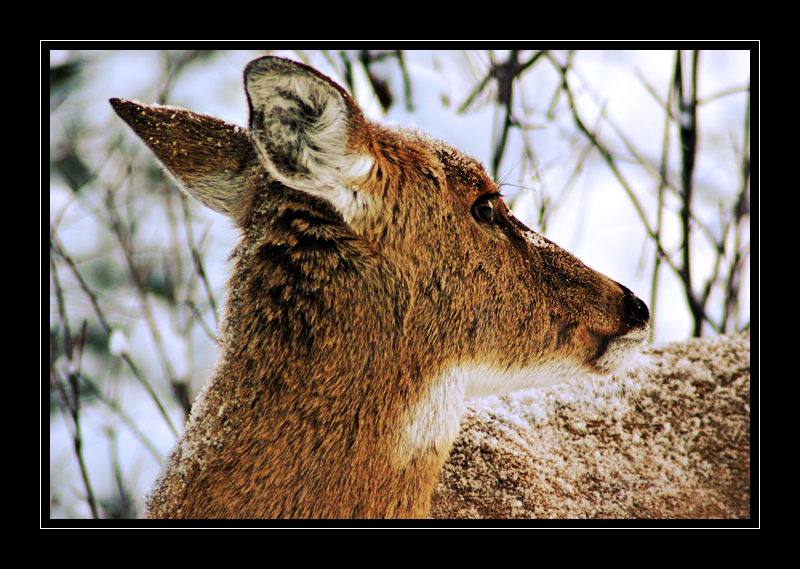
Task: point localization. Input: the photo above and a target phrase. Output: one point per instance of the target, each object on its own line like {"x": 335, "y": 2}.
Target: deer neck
{"x": 304, "y": 417}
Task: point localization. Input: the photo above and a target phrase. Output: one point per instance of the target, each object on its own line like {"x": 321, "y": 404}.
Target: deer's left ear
{"x": 305, "y": 129}
{"x": 209, "y": 158}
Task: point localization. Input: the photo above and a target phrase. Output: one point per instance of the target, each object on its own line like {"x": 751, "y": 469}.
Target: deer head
{"x": 380, "y": 281}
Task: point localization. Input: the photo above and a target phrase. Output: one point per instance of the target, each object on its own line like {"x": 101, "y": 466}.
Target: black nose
{"x": 638, "y": 310}
{"x": 635, "y": 309}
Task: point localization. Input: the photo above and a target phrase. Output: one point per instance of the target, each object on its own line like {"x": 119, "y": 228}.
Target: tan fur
{"x": 380, "y": 281}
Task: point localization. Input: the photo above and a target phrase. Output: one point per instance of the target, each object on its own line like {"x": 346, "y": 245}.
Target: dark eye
{"x": 483, "y": 209}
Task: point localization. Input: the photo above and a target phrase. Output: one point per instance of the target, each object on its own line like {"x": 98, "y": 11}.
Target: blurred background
{"x": 638, "y": 162}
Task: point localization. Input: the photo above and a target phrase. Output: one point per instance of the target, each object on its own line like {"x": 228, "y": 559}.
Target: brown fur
{"x": 378, "y": 269}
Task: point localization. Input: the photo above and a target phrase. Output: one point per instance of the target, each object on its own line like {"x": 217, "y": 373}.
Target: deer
{"x": 380, "y": 281}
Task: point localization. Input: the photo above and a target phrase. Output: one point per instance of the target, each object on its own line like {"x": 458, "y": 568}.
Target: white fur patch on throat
{"x": 432, "y": 423}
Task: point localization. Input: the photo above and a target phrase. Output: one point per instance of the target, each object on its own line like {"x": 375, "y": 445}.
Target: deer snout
{"x": 636, "y": 313}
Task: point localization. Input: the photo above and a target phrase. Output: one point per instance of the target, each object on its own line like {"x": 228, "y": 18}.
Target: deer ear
{"x": 208, "y": 158}
{"x": 304, "y": 127}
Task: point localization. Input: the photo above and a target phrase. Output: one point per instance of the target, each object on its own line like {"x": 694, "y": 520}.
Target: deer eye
{"x": 483, "y": 209}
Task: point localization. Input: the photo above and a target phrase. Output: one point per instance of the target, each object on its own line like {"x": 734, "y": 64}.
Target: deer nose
{"x": 636, "y": 311}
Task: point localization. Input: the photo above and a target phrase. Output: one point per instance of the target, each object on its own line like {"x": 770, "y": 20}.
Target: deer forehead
{"x": 467, "y": 177}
